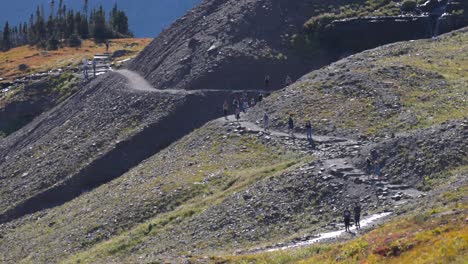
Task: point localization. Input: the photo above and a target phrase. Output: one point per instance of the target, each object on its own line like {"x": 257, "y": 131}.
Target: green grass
{"x": 64, "y": 85}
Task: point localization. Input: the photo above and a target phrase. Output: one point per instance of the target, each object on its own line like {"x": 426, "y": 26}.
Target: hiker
{"x": 347, "y": 219}
{"x": 94, "y": 67}
{"x": 107, "y": 46}
{"x": 436, "y": 9}
{"x": 267, "y": 82}
{"x": 237, "y": 112}
{"x": 246, "y": 105}
{"x": 241, "y": 105}
{"x": 368, "y": 166}
{"x": 377, "y": 171}
{"x": 252, "y": 102}
{"x": 357, "y": 215}
{"x": 225, "y": 109}
{"x": 308, "y": 127}
{"x": 288, "y": 80}
{"x": 260, "y": 97}
{"x": 235, "y": 103}
{"x": 291, "y": 125}
{"x": 85, "y": 69}
{"x": 266, "y": 122}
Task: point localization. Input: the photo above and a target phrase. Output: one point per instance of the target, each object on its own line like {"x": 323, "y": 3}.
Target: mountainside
{"x": 138, "y": 166}
{"x": 229, "y": 45}
{"x": 383, "y": 91}
{"x": 235, "y": 44}
{"x": 205, "y": 195}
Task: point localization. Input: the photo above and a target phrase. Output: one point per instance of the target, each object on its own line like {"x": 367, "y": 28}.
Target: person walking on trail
{"x": 267, "y": 82}
{"x": 225, "y": 109}
{"x": 266, "y": 122}
{"x": 252, "y": 102}
{"x": 260, "y": 98}
{"x": 245, "y": 105}
{"x": 107, "y": 46}
{"x": 357, "y": 215}
{"x": 235, "y": 103}
{"x": 369, "y": 167}
{"x": 288, "y": 80}
{"x": 291, "y": 126}
{"x": 94, "y": 67}
{"x": 85, "y": 69}
{"x": 308, "y": 127}
{"x": 237, "y": 112}
{"x": 347, "y": 219}
{"x": 435, "y": 8}
{"x": 377, "y": 170}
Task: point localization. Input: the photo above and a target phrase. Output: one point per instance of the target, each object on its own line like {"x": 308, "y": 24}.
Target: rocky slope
{"x": 229, "y": 45}
{"x": 19, "y": 105}
{"x": 96, "y": 135}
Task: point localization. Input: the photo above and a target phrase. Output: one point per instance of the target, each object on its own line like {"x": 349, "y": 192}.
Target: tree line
{"x": 65, "y": 27}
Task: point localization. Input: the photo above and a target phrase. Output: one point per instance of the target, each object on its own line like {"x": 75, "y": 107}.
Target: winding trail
{"x": 138, "y": 83}
{"x": 387, "y": 195}
{"x": 365, "y": 223}
{"x": 318, "y": 139}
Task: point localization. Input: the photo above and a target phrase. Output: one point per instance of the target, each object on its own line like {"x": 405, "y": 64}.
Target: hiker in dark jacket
{"x": 435, "y": 9}
{"x": 357, "y": 215}
{"x": 267, "y": 82}
{"x": 225, "y": 109}
{"x": 347, "y": 219}
{"x": 291, "y": 125}
{"x": 308, "y": 127}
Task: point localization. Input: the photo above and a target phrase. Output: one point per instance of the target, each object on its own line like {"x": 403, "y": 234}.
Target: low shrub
{"x": 408, "y": 6}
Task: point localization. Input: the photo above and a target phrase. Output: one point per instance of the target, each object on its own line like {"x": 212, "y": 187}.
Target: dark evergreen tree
{"x": 40, "y": 28}
{"x": 81, "y": 23}
{"x": 100, "y": 32}
{"x": 66, "y": 26}
{"x": 85, "y": 9}
{"x": 121, "y": 24}
{"x": 71, "y": 28}
{"x": 6, "y": 37}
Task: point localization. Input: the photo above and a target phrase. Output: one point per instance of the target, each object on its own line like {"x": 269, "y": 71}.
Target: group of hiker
{"x": 357, "y": 218}
{"x": 86, "y": 68}
{"x": 240, "y": 105}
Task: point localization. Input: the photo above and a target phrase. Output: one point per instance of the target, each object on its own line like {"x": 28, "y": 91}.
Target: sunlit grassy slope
{"x": 40, "y": 60}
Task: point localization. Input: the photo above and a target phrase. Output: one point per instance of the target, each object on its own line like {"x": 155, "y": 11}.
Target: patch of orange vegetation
{"x": 40, "y": 60}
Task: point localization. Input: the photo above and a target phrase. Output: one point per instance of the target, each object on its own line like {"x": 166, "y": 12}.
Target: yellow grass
{"x": 40, "y": 60}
